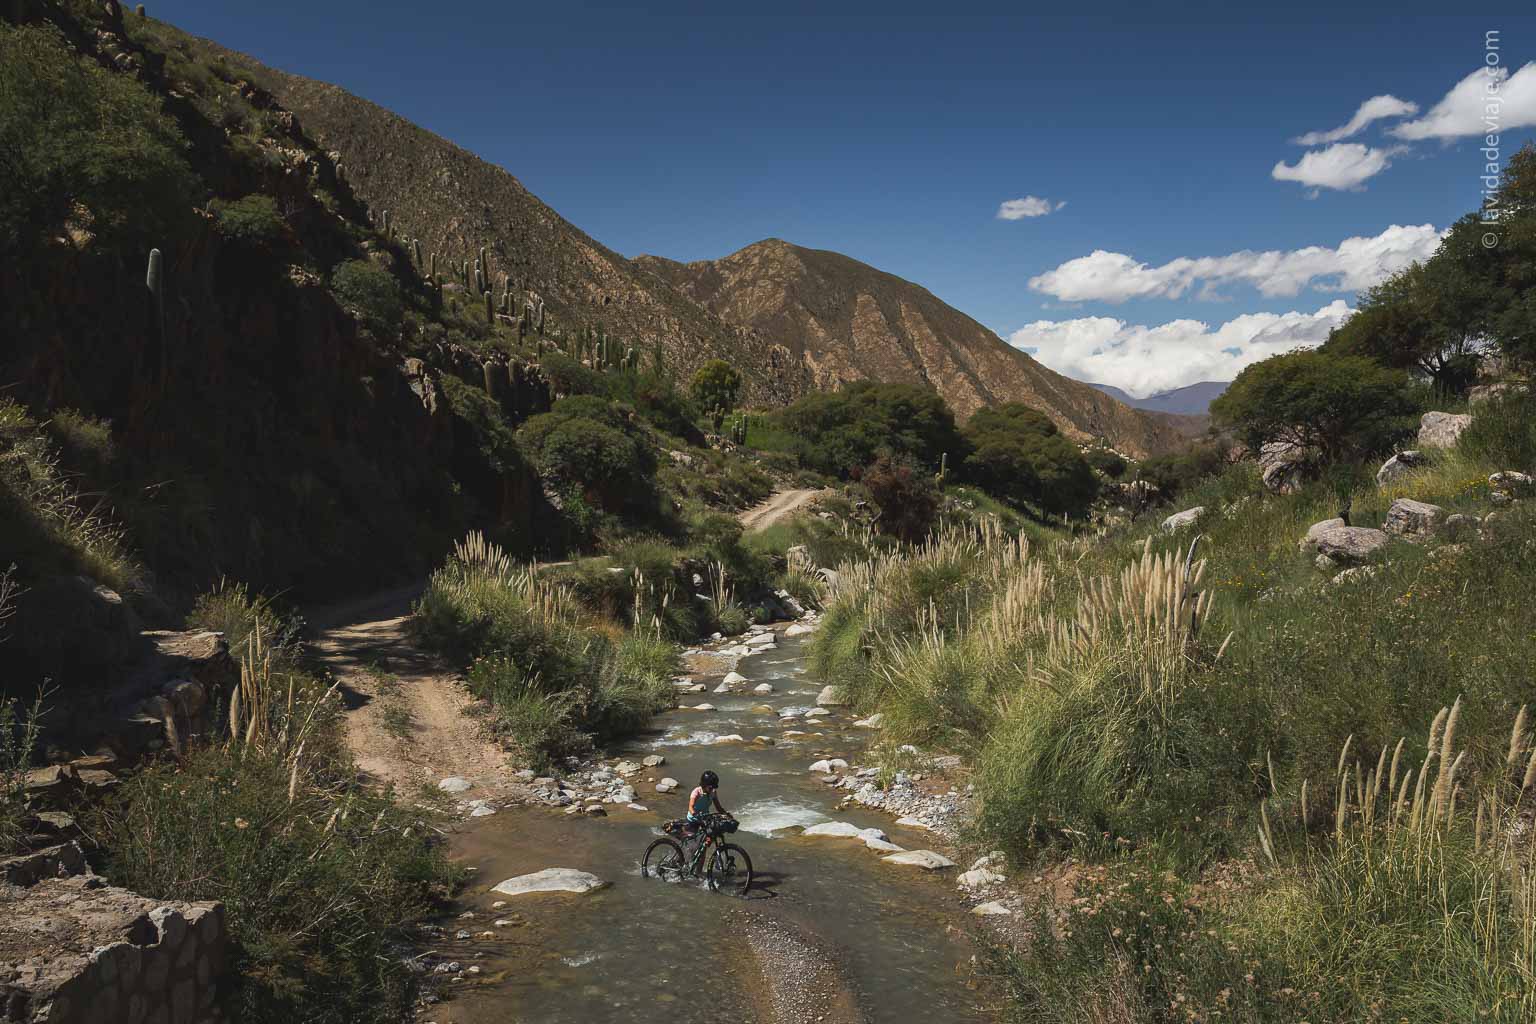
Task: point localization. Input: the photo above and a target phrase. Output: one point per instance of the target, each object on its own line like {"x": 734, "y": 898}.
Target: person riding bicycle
{"x": 704, "y": 796}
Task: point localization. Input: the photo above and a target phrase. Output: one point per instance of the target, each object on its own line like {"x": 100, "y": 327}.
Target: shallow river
{"x": 641, "y": 950}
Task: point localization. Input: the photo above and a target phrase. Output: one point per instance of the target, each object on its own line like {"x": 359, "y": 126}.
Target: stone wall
{"x": 75, "y": 950}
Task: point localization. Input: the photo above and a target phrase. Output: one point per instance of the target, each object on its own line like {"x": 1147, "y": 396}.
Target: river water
{"x": 641, "y": 950}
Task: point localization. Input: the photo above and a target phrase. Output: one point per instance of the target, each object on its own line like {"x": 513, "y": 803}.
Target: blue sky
{"x": 895, "y": 135}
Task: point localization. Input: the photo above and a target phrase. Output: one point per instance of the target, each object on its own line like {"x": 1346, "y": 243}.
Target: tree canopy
{"x": 1341, "y": 405}
{"x": 841, "y": 432}
{"x": 1017, "y": 454}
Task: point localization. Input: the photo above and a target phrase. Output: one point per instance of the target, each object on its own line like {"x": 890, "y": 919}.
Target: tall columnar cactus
{"x": 485, "y": 268}
{"x": 154, "y": 280}
{"x": 416, "y": 251}
{"x": 384, "y": 222}
{"x": 490, "y": 312}
{"x": 943, "y": 466}
{"x": 658, "y": 359}
{"x": 139, "y": 10}
{"x": 539, "y": 325}
{"x": 432, "y": 274}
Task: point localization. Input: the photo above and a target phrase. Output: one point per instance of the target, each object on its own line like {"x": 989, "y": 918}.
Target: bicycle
{"x": 729, "y": 866}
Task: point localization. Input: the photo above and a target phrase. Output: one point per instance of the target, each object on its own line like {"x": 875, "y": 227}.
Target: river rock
{"x": 1412, "y": 520}
{"x": 666, "y": 785}
{"x": 732, "y": 682}
{"x": 872, "y": 722}
{"x": 550, "y": 880}
{"x": 800, "y": 629}
{"x": 1350, "y": 543}
{"x": 1399, "y": 466}
{"x": 1309, "y": 542}
{"x": 925, "y": 859}
{"x": 763, "y": 689}
{"x": 882, "y": 845}
{"x": 831, "y": 696}
{"x": 761, "y": 709}
{"x": 978, "y": 878}
{"x": 455, "y": 784}
{"x": 1179, "y": 520}
{"x": 817, "y": 712}
{"x": 1442, "y": 429}
{"x": 911, "y": 822}
{"x": 623, "y": 795}
{"x": 828, "y": 765}
{"x": 761, "y": 639}
{"x": 653, "y": 761}
{"x": 703, "y": 707}
{"x": 993, "y": 908}
{"x": 626, "y": 768}
{"x": 734, "y": 737}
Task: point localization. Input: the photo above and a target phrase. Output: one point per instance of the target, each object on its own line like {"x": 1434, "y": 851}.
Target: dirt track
{"x": 409, "y": 719}
{"x": 779, "y": 507}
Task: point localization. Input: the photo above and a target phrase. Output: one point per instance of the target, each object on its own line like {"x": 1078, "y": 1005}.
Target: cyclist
{"x": 704, "y": 796}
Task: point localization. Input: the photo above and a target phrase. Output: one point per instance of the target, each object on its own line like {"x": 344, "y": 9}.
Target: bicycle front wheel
{"x": 730, "y": 870}
{"x": 664, "y": 860}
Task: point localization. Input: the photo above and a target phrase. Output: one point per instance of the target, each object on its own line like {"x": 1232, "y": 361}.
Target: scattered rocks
{"x": 829, "y": 765}
{"x": 550, "y": 880}
{"x": 874, "y": 721}
{"x": 1179, "y": 520}
{"x": 653, "y": 761}
{"x": 666, "y": 785}
{"x": 1441, "y": 429}
{"x": 1412, "y": 520}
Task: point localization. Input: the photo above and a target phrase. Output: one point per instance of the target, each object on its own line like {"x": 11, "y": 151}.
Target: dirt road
{"x": 409, "y": 721}
{"x": 779, "y": 507}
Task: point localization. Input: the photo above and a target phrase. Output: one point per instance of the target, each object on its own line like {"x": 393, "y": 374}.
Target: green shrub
{"x": 715, "y": 386}
{"x": 370, "y": 290}
{"x": 569, "y": 376}
{"x": 907, "y": 498}
{"x": 1503, "y": 432}
{"x": 83, "y": 143}
{"x": 251, "y": 221}
{"x": 585, "y": 446}
{"x": 840, "y": 433}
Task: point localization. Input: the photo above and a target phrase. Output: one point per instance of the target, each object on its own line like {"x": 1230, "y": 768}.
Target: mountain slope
{"x": 1190, "y": 400}
{"x": 455, "y": 203}
{"x": 845, "y": 320}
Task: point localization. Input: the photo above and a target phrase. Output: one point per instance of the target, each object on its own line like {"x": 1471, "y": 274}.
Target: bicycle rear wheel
{"x": 730, "y": 870}
{"x": 664, "y": 860}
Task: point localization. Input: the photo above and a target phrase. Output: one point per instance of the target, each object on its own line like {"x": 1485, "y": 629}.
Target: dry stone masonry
{"x": 75, "y": 950}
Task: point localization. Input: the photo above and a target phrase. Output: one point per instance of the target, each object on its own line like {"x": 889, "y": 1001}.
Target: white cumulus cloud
{"x": 1355, "y": 263}
{"x": 1029, "y": 206}
{"x": 1343, "y": 165}
{"x": 1374, "y": 109}
{"x": 1486, "y": 101}
{"x": 1144, "y": 360}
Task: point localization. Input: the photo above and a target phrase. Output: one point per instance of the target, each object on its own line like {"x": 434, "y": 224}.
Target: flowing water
{"x": 642, "y": 950}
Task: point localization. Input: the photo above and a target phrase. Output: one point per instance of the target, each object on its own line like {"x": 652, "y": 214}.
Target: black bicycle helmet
{"x": 709, "y": 780}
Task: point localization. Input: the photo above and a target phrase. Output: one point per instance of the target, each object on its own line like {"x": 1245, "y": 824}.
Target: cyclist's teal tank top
{"x": 699, "y": 803}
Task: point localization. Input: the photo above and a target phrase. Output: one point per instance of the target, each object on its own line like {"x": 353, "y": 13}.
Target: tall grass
{"x": 558, "y": 674}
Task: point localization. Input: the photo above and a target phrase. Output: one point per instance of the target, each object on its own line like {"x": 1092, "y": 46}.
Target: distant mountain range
{"x": 1190, "y": 400}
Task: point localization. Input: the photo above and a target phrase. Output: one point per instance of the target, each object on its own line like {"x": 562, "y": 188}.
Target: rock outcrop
{"x": 1350, "y": 544}
{"x": 1400, "y": 465}
{"x": 1441, "y": 429}
{"x": 1412, "y": 520}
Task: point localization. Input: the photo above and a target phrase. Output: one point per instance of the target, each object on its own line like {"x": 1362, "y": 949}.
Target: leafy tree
{"x": 716, "y": 385}
{"x": 1340, "y": 405}
{"x": 840, "y": 432}
{"x": 586, "y": 445}
{"x": 80, "y": 142}
{"x": 1108, "y": 462}
{"x": 251, "y": 221}
{"x": 371, "y": 290}
{"x": 1017, "y": 454}
{"x": 907, "y": 498}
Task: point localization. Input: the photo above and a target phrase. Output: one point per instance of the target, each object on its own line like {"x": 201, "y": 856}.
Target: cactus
{"x": 139, "y": 10}
{"x": 416, "y": 251}
{"x": 658, "y": 359}
{"x": 154, "y": 280}
{"x": 943, "y": 466}
{"x": 384, "y": 222}
{"x": 432, "y": 274}
{"x": 490, "y": 311}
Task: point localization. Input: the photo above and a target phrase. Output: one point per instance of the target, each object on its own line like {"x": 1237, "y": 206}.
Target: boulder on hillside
{"x": 1309, "y": 542}
{"x": 1498, "y": 389}
{"x": 1441, "y": 429}
{"x": 1350, "y": 544}
{"x": 1179, "y": 520}
{"x": 1512, "y": 482}
{"x": 1412, "y": 520}
{"x": 1400, "y": 465}
{"x": 1284, "y": 466}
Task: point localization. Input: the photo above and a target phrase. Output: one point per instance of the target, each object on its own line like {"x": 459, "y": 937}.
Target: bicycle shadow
{"x": 766, "y": 885}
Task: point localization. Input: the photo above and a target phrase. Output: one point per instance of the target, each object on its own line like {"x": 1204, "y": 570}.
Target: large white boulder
{"x": 455, "y": 784}
{"x": 1352, "y": 544}
{"x": 550, "y": 880}
{"x": 1316, "y": 530}
{"x": 925, "y": 859}
{"x": 1179, "y": 520}
{"x": 994, "y": 908}
{"x": 763, "y": 688}
{"x": 1441, "y": 429}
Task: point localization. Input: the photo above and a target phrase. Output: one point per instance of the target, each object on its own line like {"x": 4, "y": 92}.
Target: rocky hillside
{"x": 455, "y": 203}
{"x": 849, "y": 321}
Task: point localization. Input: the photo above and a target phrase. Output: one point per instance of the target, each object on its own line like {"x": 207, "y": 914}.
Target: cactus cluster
{"x": 154, "y": 281}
